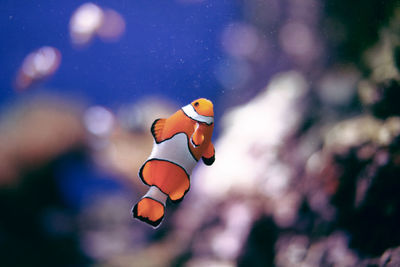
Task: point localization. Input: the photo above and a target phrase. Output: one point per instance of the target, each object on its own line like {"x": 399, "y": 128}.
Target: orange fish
{"x": 179, "y": 143}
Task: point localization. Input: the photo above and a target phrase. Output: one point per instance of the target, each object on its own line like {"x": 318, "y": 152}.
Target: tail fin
{"x": 151, "y": 207}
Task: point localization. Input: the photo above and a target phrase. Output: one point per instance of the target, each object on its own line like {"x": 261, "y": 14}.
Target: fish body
{"x": 180, "y": 141}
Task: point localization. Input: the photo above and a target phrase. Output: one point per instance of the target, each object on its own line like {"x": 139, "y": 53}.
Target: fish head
{"x": 203, "y": 107}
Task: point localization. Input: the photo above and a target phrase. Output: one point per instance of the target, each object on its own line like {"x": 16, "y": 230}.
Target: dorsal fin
{"x": 156, "y": 129}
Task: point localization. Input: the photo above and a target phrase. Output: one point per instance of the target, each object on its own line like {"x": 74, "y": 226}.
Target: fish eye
{"x": 196, "y": 104}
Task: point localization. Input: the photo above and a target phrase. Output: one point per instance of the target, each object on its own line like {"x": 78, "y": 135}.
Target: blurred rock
{"x": 391, "y": 258}
{"x": 381, "y": 98}
{"x": 298, "y": 250}
{"x": 358, "y": 31}
{"x": 37, "y": 228}
{"x": 34, "y": 132}
{"x": 105, "y": 227}
{"x": 360, "y": 160}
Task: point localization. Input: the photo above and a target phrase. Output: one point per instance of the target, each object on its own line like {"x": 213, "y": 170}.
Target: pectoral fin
{"x": 208, "y": 161}
{"x": 209, "y": 155}
{"x": 197, "y": 138}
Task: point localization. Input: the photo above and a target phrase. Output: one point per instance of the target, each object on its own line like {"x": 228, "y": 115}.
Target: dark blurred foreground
{"x": 307, "y": 171}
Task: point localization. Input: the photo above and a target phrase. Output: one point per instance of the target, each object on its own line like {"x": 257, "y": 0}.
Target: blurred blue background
{"x": 169, "y": 48}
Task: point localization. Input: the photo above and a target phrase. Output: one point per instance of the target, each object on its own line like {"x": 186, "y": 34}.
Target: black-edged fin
{"x": 156, "y": 129}
{"x": 141, "y": 173}
{"x": 155, "y": 224}
{"x": 179, "y": 200}
{"x": 176, "y": 201}
{"x": 209, "y": 161}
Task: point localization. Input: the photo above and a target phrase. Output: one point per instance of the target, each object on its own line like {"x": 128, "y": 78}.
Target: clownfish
{"x": 179, "y": 143}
